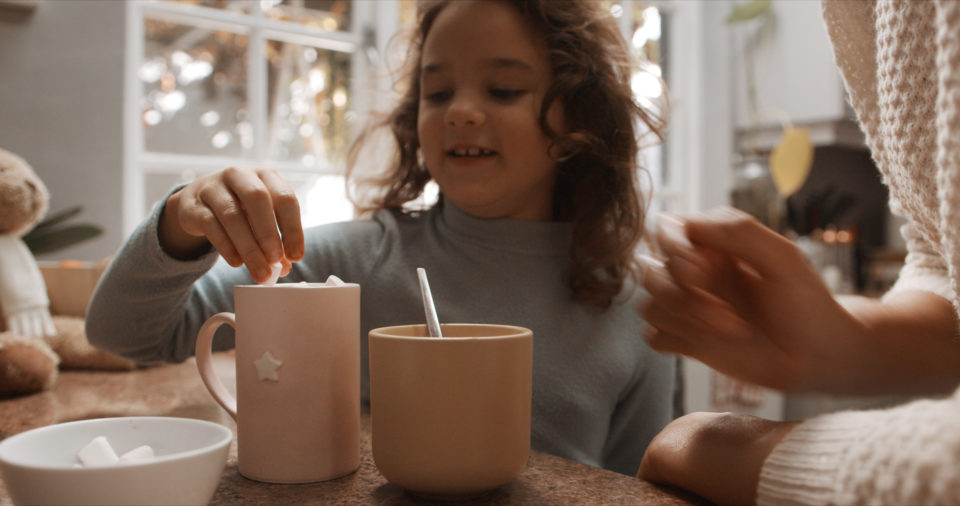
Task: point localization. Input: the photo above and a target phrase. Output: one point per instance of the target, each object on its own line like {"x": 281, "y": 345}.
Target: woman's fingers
{"x": 688, "y": 311}
{"x": 690, "y": 265}
{"x": 665, "y": 342}
{"x": 736, "y": 233}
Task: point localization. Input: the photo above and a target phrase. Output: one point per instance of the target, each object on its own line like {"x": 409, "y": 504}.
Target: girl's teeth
{"x": 471, "y": 152}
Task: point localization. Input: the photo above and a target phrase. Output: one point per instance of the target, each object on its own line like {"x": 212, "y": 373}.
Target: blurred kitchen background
{"x": 115, "y": 102}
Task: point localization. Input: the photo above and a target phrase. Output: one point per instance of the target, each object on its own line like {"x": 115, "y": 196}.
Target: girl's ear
{"x": 560, "y": 151}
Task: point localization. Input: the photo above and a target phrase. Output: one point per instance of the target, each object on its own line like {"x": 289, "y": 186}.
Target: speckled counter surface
{"x": 176, "y": 390}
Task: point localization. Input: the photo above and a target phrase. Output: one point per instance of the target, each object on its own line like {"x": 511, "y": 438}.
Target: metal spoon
{"x": 433, "y": 324}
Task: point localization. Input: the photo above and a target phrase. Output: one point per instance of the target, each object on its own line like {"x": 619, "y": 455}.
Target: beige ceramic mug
{"x": 450, "y": 417}
{"x": 298, "y": 380}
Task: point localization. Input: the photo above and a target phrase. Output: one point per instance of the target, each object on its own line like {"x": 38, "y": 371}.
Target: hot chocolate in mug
{"x": 298, "y": 379}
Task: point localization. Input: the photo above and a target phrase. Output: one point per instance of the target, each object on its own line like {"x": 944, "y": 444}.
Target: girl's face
{"x": 483, "y": 77}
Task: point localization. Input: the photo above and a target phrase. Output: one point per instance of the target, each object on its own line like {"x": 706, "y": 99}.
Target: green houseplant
{"x": 54, "y": 234}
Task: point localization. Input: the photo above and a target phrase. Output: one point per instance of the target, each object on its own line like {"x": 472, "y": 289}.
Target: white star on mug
{"x": 267, "y": 366}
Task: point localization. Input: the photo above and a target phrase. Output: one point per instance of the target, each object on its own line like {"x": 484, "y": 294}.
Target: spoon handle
{"x": 433, "y": 324}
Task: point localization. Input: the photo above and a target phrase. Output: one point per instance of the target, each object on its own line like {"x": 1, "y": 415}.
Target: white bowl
{"x": 38, "y": 466}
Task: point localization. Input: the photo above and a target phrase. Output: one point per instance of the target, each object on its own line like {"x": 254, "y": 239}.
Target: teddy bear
{"x": 33, "y": 343}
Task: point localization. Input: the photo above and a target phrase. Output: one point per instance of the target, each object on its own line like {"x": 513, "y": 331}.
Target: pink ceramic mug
{"x": 298, "y": 380}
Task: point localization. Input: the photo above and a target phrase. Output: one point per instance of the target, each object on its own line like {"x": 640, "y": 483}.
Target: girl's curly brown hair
{"x": 597, "y": 188}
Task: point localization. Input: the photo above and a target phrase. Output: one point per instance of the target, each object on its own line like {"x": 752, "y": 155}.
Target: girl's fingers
{"x": 286, "y": 207}
{"x": 233, "y": 219}
{"x": 197, "y": 219}
{"x": 287, "y": 266}
{"x": 256, "y": 203}
{"x": 218, "y": 237}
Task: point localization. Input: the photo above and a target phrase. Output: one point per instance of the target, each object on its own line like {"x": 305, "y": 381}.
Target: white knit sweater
{"x": 900, "y": 60}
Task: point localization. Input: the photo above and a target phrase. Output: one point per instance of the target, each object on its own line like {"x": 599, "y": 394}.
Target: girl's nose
{"x": 464, "y": 112}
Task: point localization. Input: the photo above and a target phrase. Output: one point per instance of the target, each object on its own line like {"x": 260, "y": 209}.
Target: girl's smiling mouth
{"x": 470, "y": 151}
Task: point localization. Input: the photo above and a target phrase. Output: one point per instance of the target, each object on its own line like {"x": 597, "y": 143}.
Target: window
{"x": 285, "y": 84}
{"x": 219, "y": 83}
{"x": 652, "y": 29}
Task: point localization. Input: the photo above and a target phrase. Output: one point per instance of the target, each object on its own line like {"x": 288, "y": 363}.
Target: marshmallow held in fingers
{"x": 275, "y": 270}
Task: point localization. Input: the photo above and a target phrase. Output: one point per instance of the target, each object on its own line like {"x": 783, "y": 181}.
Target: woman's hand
{"x": 250, "y": 215}
{"x": 744, "y": 300}
{"x": 717, "y": 456}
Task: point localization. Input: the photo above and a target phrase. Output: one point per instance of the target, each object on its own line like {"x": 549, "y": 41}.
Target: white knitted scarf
{"x": 23, "y": 294}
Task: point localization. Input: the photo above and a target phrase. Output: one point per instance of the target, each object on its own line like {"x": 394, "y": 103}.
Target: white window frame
{"x": 381, "y": 17}
{"x": 685, "y": 190}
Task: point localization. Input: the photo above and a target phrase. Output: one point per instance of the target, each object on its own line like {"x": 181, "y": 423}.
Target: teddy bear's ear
{"x": 23, "y": 196}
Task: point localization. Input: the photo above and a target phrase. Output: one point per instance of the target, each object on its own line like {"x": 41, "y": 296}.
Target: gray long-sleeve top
{"x": 600, "y": 393}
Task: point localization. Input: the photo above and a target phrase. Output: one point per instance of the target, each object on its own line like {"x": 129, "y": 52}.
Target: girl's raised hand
{"x": 744, "y": 300}
{"x": 250, "y": 215}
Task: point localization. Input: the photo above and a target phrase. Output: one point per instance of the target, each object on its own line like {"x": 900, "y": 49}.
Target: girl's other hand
{"x": 717, "y": 456}
{"x": 744, "y": 300}
{"x": 250, "y": 215}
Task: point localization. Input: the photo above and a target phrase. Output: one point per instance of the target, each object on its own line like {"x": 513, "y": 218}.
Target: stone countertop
{"x": 176, "y": 390}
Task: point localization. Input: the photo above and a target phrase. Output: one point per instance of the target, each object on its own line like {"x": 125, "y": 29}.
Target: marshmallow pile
{"x": 99, "y": 453}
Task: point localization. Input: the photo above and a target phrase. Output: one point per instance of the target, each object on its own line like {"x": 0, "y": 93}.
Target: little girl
{"x": 522, "y": 113}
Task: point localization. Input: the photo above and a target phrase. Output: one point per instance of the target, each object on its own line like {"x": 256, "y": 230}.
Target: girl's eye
{"x": 438, "y": 96}
{"x": 506, "y": 93}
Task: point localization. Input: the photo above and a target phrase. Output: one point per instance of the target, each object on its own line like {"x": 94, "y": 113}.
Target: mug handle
{"x": 205, "y": 364}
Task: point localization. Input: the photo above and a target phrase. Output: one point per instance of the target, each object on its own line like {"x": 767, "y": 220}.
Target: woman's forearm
{"x": 911, "y": 345}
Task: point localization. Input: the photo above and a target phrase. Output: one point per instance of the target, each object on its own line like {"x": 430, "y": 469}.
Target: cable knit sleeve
{"x": 924, "y": 268}
{"x": 904, "y": 455}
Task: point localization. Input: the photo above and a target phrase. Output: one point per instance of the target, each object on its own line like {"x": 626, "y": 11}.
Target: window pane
{"x": 231, "y": 5}
{"x": 194, "y": 91}
{"x": 308, "y": 104}
{"x": 158, "y": 185}
{"x": 323, "y": 198}
{"x": 646, "y": 41}
{"x": 330, "y": 15}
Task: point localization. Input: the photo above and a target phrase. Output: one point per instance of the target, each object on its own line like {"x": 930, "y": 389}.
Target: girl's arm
{"x": 149, "y": 305}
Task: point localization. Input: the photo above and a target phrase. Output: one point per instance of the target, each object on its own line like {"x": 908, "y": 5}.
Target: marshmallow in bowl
{"x": 138, "y": 454}
{"x": 99, "y": 453}
{"x": 334, "y": 281}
